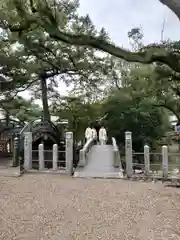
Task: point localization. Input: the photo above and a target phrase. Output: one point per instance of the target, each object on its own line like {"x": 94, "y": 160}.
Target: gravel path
{"x": 56, "y": 207}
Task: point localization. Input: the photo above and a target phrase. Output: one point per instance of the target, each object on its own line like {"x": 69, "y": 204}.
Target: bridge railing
{"x": 84, "y": 152}
{"x": 116, "y": 153}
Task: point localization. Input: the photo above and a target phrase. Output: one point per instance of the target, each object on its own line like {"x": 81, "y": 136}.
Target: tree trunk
{"x": 46, "y": 114}
{"x": 7, "y": 118}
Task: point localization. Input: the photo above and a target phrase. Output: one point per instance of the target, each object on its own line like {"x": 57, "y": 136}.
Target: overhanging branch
{"x": 148, "y": 56}
{"x": 151, "y": 55}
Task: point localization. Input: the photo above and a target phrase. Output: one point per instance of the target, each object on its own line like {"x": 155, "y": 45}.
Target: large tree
{"x": 41, "y": 14}
{"x": 126, "y": 110}
{"x": 158, "y": 85}
{"x": 49, "y": 61}
{"x": 158, "y": 82}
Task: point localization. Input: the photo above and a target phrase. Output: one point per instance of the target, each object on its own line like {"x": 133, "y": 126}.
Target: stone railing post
{"x": 165, "y": 161}
{"x": 116, "y": 153}
{"x": 16, "y": 152}
{"x": 117, "y": 160}
{"x": 146, "y": 160}
{"x": 128, "y": 154}
{"x": 55, "y": 157}
{"x": 41, "y": 156}
{"x": 82, "y": 158}
{"x": 69, "y": 153}
{"x": 27, "y": 151}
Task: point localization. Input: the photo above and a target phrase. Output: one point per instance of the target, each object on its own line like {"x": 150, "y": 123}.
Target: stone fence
{"x": 147, "y": 171}
{"x": 41, "y": 161}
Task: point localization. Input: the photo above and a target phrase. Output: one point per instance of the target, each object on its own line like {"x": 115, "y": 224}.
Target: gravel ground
{"x": 57, "y": 207}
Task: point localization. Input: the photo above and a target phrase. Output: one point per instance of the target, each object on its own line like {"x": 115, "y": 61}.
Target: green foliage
{"x": 79, "y": 114}
{"x": 54, "y": 18}
{"x": 21, "y": 110}
{"x": 131, "y": 113}
{"x": 40, "y": 63}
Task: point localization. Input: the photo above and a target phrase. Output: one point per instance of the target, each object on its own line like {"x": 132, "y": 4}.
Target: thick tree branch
{"x": 153, "y": 54}
{"x": 150, "y": 55}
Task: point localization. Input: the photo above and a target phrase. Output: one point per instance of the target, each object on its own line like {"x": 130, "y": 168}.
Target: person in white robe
{"x": 88, "y": 133}
{"x": 102, "y": 136}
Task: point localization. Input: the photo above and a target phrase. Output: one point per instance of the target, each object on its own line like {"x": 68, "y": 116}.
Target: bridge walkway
{"x": 99, "y": 164}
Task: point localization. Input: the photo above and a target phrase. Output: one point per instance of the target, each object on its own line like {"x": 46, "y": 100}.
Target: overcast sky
{"x": 120, "y": 16}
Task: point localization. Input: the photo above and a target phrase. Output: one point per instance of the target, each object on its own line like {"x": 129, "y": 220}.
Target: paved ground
{"x": 9, "y": 171}
{"x": 47, "y": 207}
{"x": 5, "y": 162}
{"x": 100, "y": 163}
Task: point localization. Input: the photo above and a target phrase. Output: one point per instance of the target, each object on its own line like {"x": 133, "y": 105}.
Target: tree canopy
{"x": 35, "y": 61}
{"x": 49, "y": 16}
{"x": 131, "y": 113}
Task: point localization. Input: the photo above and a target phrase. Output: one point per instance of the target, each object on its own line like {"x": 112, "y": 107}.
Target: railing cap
{"x": 164, "y": 146}
{"x": 128, "y": 132}
{"x": 87, "y": 144}
{"x": 146, "y": 146}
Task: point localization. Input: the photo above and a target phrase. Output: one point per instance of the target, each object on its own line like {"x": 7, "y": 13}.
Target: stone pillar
{"x": 165, "y": 161}
{"x": 55, "y": 157}
{"x": 82, "y": 158}
{"x": 27, "y": 150}
{"x": 41, "y": 157}
{"x": 146, "y": 159}
{"x": 69, "y": 153}
{"x": 117, "y": 159}
{"x": 128, "y": 154}
{"x": 16, "y": 152}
